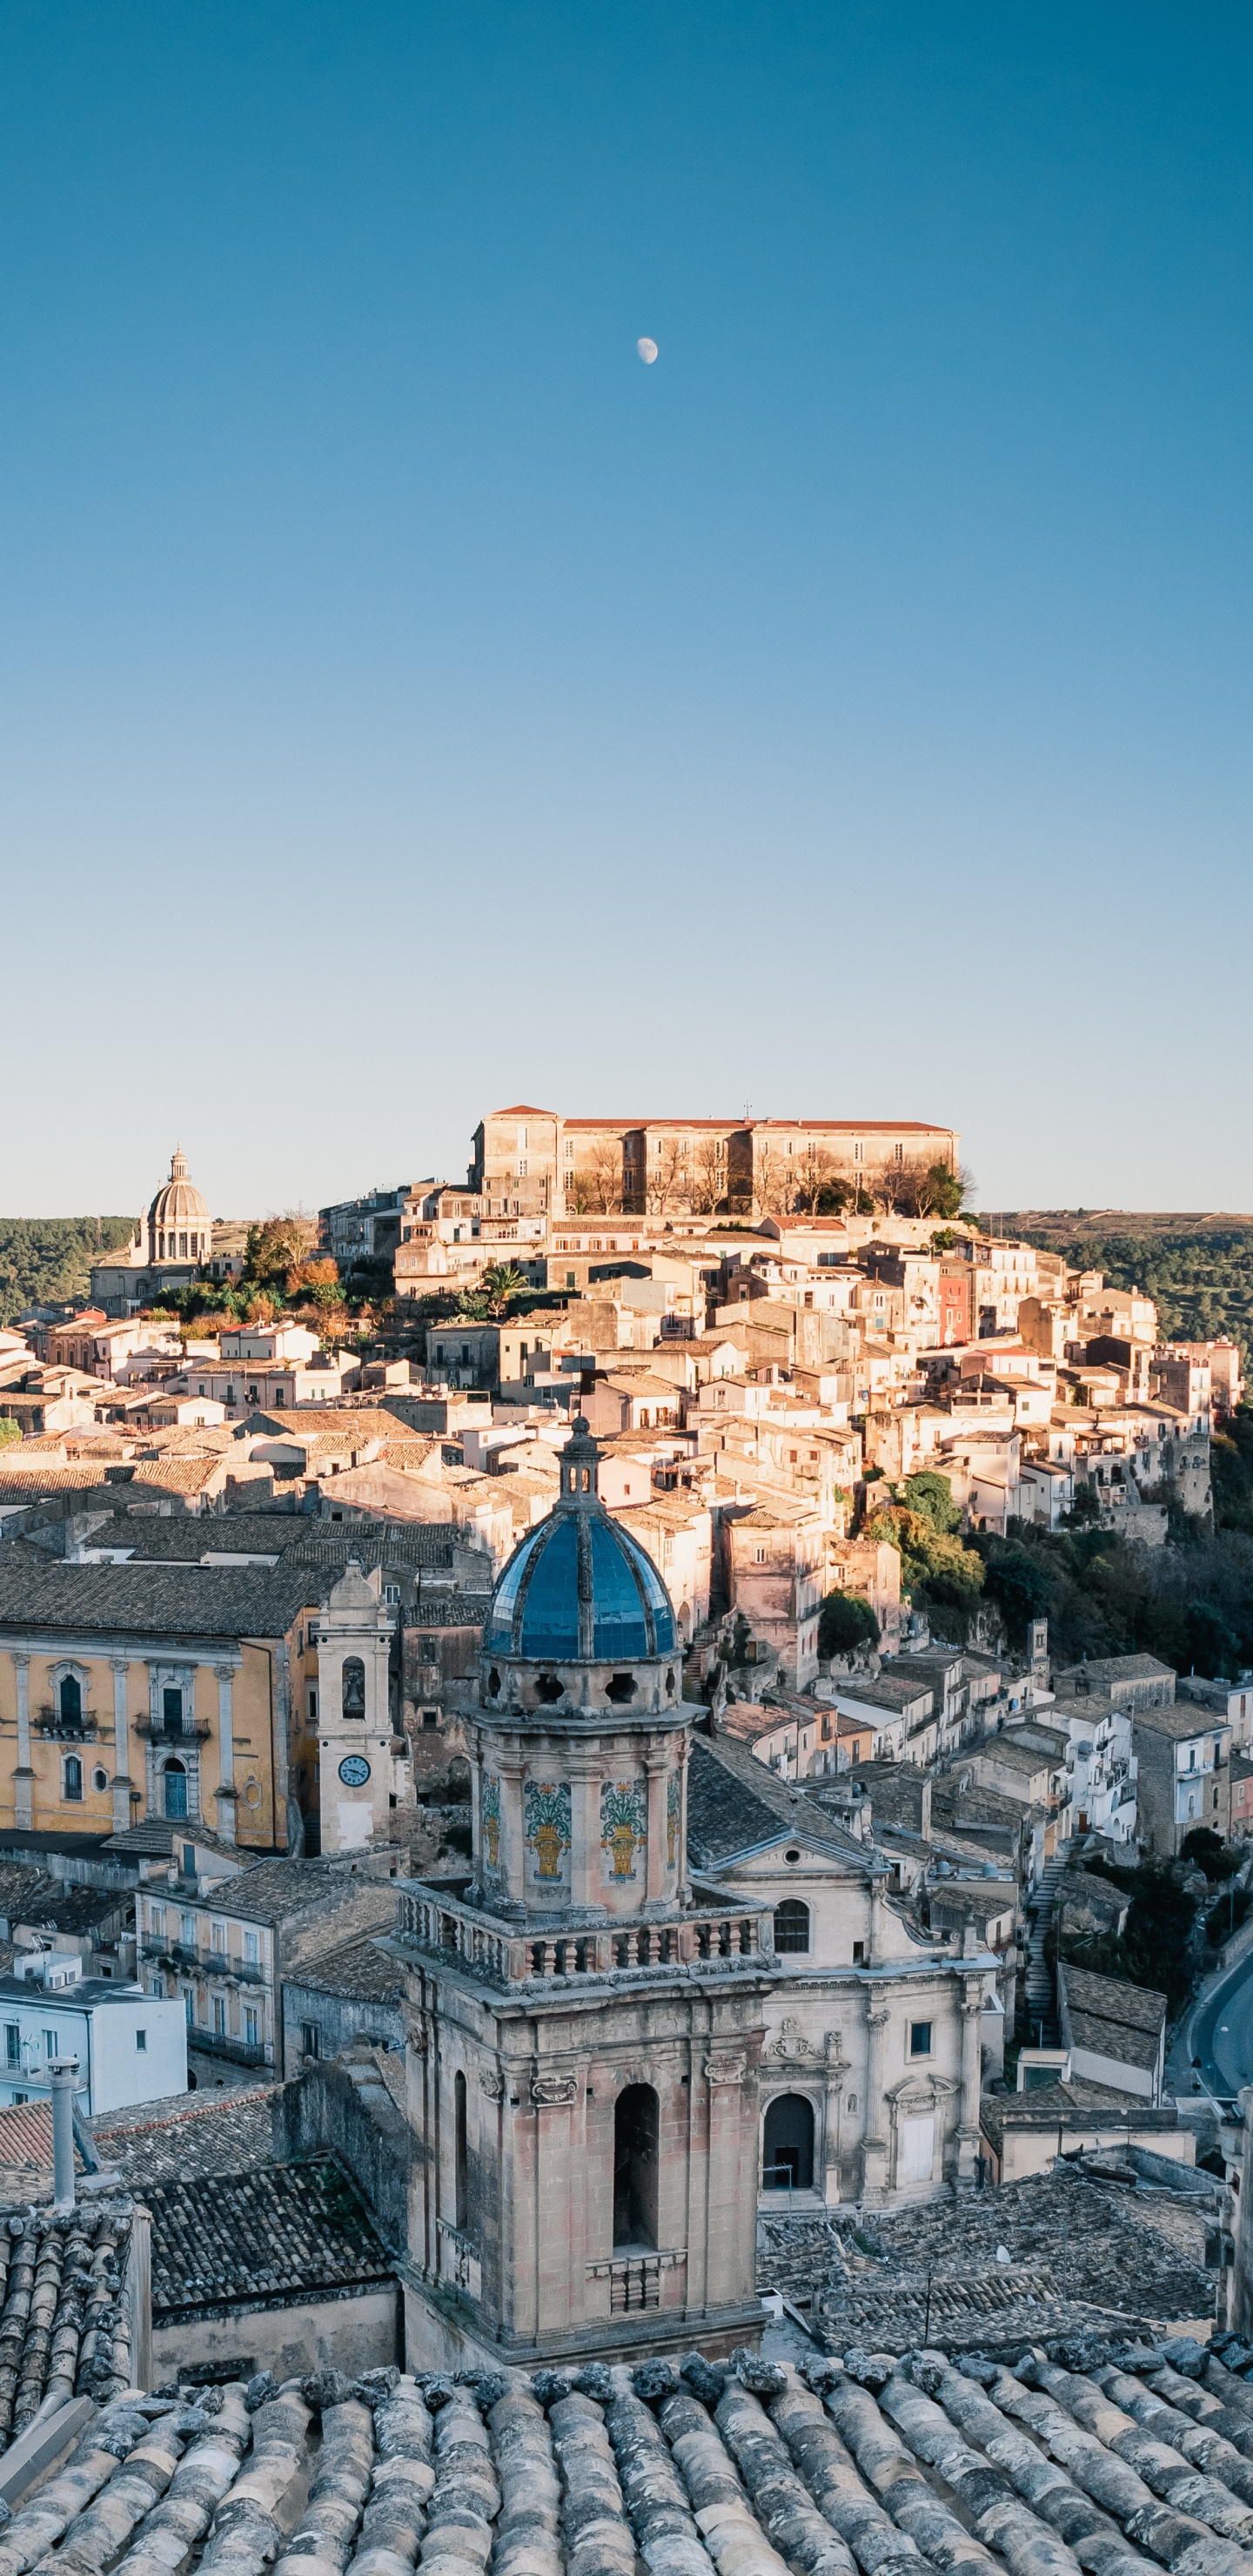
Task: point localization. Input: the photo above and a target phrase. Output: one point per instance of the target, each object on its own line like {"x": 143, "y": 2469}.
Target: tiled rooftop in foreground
{"x": 1110, "y": 2457}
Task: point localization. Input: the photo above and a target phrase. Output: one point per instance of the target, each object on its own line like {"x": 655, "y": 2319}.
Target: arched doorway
{"x": 636, "y": 2126}
{"x": 788, "y": 2149}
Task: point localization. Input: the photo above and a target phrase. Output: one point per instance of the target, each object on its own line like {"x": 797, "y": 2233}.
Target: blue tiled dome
{"x": 579, "y": 1560}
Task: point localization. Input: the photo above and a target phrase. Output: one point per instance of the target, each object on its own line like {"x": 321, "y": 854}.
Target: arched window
{"x": 791, "y": 1925}
{"x": 636, "y": 2126}
{"x": 175, "y": 1782}
{"x": 461, "y": 2169}
{"x": 788, "y": 2157}
{"x": 352, "y": 1687}
{"x": 73, "y": 1777}
{"x": 70, "y": 1696}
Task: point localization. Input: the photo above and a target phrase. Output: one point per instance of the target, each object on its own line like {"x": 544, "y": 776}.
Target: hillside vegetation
{"x": 1197, "y": 1269}
{"x": 44, "y": 1259}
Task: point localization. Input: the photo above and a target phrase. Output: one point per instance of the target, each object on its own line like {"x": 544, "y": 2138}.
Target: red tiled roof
{"x": 26, "y": 2134}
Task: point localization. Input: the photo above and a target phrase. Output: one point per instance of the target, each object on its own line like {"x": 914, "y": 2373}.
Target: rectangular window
{"x": 313, "y": 1708}
{"x": 252, "y": 1949}
{"x": 219, "y": 1937}
{"x": 309, "y": 2038}
{"x": 156, "y": 1918}
{"x": 50, "y": 2043}
{"x": 859, "y": 1954}
{"x": 920, "y": 2039}
{"x": 250, "y": 2028}
{"x": 187, "y": 1930}
{"x": 219, "y": 2016}
{"x": 141, "y": 2041}
{"x": 189, "y": 1861}
{"x": 12, "y": 2043}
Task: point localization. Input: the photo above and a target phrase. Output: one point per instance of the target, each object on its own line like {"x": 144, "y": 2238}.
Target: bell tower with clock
{"x": 354, "y": 1715}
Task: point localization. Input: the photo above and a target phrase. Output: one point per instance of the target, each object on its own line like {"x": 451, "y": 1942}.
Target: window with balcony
{"x": 252, "y": 1949}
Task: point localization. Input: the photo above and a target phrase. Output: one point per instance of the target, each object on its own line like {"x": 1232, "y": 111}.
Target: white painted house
{"x": 131, "y": 2047}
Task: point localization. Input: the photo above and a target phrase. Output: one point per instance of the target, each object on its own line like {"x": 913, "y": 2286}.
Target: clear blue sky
{"x": 411, "y": 703}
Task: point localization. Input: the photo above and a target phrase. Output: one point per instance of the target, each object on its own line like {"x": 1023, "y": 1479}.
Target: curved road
{"x": 1220, "y": 2032}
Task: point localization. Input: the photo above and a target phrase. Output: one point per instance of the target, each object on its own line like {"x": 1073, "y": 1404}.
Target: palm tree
{"x": 501, "y": 1282}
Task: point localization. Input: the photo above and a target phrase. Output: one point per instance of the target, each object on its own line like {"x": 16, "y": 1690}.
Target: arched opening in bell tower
{"x": 636, "y": 2135}
{"x": 788, "y": 2147}
{"x": 352, "y": 1687}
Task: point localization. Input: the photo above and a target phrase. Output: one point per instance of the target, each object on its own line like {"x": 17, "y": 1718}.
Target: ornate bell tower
{"x": 354, "y": 1715}
{"x": 585, "y": 2022}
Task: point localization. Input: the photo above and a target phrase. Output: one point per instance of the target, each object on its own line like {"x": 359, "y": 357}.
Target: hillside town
{"x": 543, "y": 1832}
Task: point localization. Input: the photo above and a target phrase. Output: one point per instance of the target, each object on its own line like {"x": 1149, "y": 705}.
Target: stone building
{"x": 585, "y": 2019}
{"x": 532, "y": 1162}
{"x": 172, "y": 1245}
{"x": 669, "y": 1983}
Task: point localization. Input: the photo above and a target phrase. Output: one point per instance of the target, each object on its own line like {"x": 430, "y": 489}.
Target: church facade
{"x": 671, "y": 1993}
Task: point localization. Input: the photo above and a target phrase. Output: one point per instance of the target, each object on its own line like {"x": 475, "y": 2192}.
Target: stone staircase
{"x": 1038, "y": 1984}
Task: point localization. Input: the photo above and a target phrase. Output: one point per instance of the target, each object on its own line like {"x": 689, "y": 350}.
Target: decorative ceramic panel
{"x": 672, "y": 1818}
{"x": 623, "y": 1824}
{"x": 546, "y": 1810}
{"x": 489, "y": 1813}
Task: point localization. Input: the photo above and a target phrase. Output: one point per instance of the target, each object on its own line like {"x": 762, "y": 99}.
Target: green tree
{"x": 1212, "y": 1647}
{"x": 931, "y": 1496}
{"x": 1209, "y": 1852}
{"x": 845, "y": 1622}
{"x": 273, "y": 1250}
{"x": 500, "y": 1283}
{"x": 9, "y": 1430}
{"x": 1019, "y": 1586}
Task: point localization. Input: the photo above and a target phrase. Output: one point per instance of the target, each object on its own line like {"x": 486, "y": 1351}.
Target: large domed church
{"x": 586, "y": 2020}
{"x": 671, "y": 1983}
{"x": 171, "y": 1246}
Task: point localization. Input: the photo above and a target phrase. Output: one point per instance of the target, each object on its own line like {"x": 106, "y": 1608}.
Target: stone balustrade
{"x": 506, "y": 1954}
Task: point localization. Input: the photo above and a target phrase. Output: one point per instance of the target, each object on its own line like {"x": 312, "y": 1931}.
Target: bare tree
{"x": 772, "y": 1180}
{"x": 665, "y": 1175}
{"x": 605, "y": 1177}
{"x": 709, "y": 1181}
{"x": 815, "y": 1171}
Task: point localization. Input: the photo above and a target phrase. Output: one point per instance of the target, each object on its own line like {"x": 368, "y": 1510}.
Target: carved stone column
{"x": 874, "y": 2151}
{"x": 972, "y": 2084}
{"x": 835, "y": 2072}
{"x": 657, "y": 1771}
{"x": 121, "y": 1749}
{"x": 24, "y": 1777}
{"x": 226, "y": 1755}
{"x": 583, "y": 1774}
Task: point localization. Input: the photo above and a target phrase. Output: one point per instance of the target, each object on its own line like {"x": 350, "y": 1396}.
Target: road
{"x": 1220, "y": 2032}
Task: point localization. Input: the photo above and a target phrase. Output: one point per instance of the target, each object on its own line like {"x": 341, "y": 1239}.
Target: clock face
{"x": 354, "y": 1770}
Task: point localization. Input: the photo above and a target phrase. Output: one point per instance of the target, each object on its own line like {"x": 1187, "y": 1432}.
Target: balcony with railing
{"x": 67, "y": 1727}
{"x": 190, "y": 1730}
{"x": 223, "y": 2043}
{"x": 714, "y": 1936}
{"x": 183, "y": 1957}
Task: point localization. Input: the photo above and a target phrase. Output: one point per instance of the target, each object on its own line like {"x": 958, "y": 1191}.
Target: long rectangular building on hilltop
{"x": 533, "y": 1162}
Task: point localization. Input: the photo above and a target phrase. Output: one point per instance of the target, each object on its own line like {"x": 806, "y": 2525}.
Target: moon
{"x": 648, "y": 351}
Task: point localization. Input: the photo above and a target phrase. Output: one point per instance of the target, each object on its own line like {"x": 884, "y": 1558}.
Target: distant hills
{"x": 1197, "y": 1268}
{"x": 44, "y": 1259}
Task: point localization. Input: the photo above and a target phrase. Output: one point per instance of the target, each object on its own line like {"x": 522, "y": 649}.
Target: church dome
{"x": 579, "y": 1588}
{"x": 179, "y": 1224}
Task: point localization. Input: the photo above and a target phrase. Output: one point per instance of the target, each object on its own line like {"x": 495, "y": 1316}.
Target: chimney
{"x": 64, "y": 2074}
